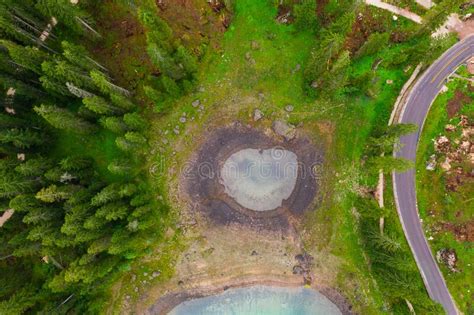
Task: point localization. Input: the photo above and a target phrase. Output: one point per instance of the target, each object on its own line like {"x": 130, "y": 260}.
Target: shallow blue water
{"x": 260, "y": 300}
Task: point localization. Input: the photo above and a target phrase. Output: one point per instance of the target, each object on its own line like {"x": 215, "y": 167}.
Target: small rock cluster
{"x": 284, "y": 129}
{"x": 303, "y": 267}
{"x": 452, "y": 150}
{"x": 448, "y": 257}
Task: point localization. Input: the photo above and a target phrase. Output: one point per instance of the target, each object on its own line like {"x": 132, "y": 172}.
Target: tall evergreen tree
{"x": 64, "y": 119}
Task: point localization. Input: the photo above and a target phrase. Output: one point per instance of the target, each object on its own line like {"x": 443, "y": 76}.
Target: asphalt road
{"x": 417, "y": 106}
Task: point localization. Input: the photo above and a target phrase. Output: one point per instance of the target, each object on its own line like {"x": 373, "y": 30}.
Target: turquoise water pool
{"x": 260, "y": 300}
{"x": 260, "y": 179}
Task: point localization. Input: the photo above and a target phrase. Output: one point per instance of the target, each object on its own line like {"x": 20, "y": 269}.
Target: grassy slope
{"x": 433, "y": 197}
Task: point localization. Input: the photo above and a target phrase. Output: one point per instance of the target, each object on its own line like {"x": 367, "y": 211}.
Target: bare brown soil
{"x": 455, "y": 104}
{"x": 195, "y": 22}
{"x": 126, "y": 54}
{"x": 462, "y": 232}
{"x": 366, "y": 23}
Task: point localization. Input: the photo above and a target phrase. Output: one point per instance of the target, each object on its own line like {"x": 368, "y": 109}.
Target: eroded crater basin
{"x": 260, "y": 180}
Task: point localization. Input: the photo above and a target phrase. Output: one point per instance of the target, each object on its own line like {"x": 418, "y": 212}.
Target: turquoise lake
{"x": 260, "y": 300}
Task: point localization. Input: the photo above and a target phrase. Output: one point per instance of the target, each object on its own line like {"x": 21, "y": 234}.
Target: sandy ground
{"x": 226, "y": 257}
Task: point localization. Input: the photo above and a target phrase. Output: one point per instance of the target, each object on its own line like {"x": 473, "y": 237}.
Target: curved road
{"x": 417, "y": 106}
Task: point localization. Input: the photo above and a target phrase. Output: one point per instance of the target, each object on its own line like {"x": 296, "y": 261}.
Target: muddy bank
{"x": 201, "y": 181}
{"x": 167, "y": 302}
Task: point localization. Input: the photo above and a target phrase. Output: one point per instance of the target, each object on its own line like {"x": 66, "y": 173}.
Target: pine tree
{"x": 305, "y": 16}
{"x": 63, "y": 72}
{"x": 28, "y": 57}
{"x": 390, "y": 139}
{"x": 65, "y": 12}
{"x": 64, "y": 119}
{"x": 114, "y": 124}
{"x": 21, "y": 301}
{"x": 34, "y": 166}
{"x": 8, "y": 121}
{"x": 75, "y": 163}
{"x": 79, "y": 56}
{"x": 390, "y": 163}
{"x": 100, "y": 106}
{"x": 54, "y": 193}
{"x": 21, "y": 138}
{"x": 12, "y": 184}
{"x": 122, "y": 102}
{"x": 120, "y": 167}
{"x": 105, "y": 86}
{"x": 113, "y": 211}
{"x": 187, "y": 61}
{"x": 374, "y": 44}
{"x": 106, "y": 195}
{"x": 135, "y": 121}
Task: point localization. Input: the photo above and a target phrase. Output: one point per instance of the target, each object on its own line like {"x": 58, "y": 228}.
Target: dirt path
{"x": 399, "y": 11}
{"x": 425, "y": 3}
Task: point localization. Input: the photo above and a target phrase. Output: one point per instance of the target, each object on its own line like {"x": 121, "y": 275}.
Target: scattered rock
{"x": 448, "y": 257}
{"x": 431, "y": 165}
{"x": 446, "y": 165}
{"x": 261, "y": 96}
{"x": 296, "y": 69}
{"x": 145, "y": 274}
{"x": 156, "y": 274}
{"x": 441, "y": 144}
{"x": 284, "y": 18}
{"x": 394, "y": 17}
{"x": 283, "y": 129}
{"x": 248, "y": 56}
{"x": 449, "y": 127}
{"x": 176, "y": 131}
{"x": 289, "y": 108}
{"x": 389, "y": 81}
{"x": 255, "y": 45}
{"x": 464, "y": 122}
{"x": 21, "y": 156}
{"x": 271, "y": 36}
{"x": 257, "y": 115}
{"x": 465, "y": 146}
{"x": 305, "y": 259}
{"x": 314, "y": 84}
{"x": 298, "y": 270}
{"x": 444, "y": 89}
{"x": 196, "y": 103}
{"x": 254, "y": 253}
{"x": 182, "y": 119}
